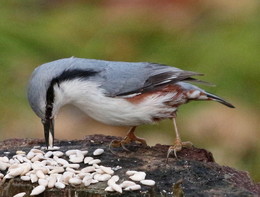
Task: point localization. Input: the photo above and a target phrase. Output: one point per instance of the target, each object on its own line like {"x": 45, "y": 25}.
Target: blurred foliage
{"x": 210, "y": 38}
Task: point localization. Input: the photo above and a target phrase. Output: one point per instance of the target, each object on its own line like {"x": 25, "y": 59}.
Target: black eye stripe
{"x": 64, "y": 76}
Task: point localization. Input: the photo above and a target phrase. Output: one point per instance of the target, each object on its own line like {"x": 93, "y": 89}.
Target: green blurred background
{"x": 219, "y": 38}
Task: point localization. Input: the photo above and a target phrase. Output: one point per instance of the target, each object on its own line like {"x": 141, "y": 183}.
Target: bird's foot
{"x": 177, "y": 146}
{"x": 131, "y": 137}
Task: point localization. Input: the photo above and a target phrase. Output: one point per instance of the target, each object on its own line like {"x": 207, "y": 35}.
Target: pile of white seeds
{"x": 50, "y": 170}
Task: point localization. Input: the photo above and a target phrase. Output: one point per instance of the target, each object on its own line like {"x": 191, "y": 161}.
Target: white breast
{"x": 89, "y": 98}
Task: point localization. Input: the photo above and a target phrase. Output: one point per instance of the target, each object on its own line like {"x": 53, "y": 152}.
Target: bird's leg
{"x": 178, "y": 144}
{"x": 130, "y": 137}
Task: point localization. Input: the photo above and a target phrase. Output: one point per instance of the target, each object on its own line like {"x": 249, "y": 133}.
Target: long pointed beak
{"x": 48, "y": 126}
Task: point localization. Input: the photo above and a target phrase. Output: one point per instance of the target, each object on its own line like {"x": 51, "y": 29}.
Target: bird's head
{"x": 41, "y": 99}
{"x": 46, "y": 90}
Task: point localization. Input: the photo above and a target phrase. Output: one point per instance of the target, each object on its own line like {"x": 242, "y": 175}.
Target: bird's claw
{"x": 117, "y": 144}
{"x": 178, "y": 147}
{"x": 127, "y": 140}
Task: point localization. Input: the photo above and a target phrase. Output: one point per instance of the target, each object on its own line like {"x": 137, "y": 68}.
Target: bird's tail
{"x": 218, "y": 99}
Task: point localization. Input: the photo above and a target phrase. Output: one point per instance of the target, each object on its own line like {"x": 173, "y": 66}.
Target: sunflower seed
{"x": 88, "y": 159}
{"x": 116, "y": 187}
{"x": 37, "y": 190}
{"x": 8, "y": 176}
{"x": 109, "y": 189}
{"x": 34, "y": 178}
{"x": 30, "y": 155}
{"x": 40, "y": 174}
{"x": 61, "y": 161}
{"x": 20, "y": 152}
{"x": 67, "y": 176}
{"x": 139, "y": 176}
{"x": 107, "y": 170}
{"x": 43, "y": 182}
{"x": 13, "y": 166}
{"x": 72, "y": 165}
{"x": 104, "y": 177}
{"x": 16, "y": 171}
{"x": 37, "y": 158}
{"x": 58, "y": 153}
{"x": 76, "y": 158}
{"x": 99, "y": 171}
{"x": 44, "y": 169}
{"x": 88, "y": 169}
{"x": 126, "y": 184}
{"x": 131, "y": 172}
{"x": 54, "y": 148}
{"x": 48, "y": 154}
{"x": 93, "y": 181}
{"x": 98, "y": 151}
{"x": 3, "y": 166}
{"x": 133, "y": 188}
{"x": 148, "y": 182}
{"x": 22, "y": 194}
{"x": 57, "y": 170}
{"x": 95, "y": 161}
{"x": 4, "y": 159}
{"x": 115, "y": 178}
{"x": 26, "y": 168}
{"x": 25, "y": 178}
{"x": 81, "y": 175}
{"x": 51, "y": 181}
{"x": 84, "y": 152}
{"x": 75, "y": 181}
{"x": 71, "y": 152}
{"x": 87, "y": 180}
{"x": 34, "y": 150}
{"x": 60, "y": 185}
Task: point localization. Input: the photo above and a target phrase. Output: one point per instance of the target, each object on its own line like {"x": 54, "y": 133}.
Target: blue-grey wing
{"x": 123, "y": 78}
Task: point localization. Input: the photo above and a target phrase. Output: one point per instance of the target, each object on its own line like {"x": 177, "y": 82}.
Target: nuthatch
{"x": 114, "y": 93}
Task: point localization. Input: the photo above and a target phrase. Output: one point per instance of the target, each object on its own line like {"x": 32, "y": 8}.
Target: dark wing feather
{"x": 193, "y": 80}
{"x": 163, "y": 78}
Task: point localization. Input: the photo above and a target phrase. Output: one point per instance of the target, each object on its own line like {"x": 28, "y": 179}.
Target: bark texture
{"x": 194, "y": 173}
